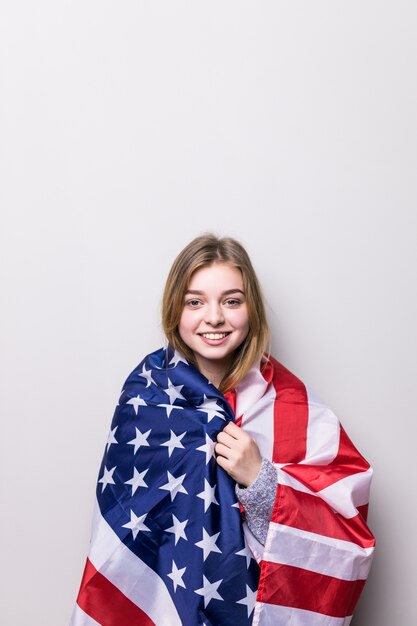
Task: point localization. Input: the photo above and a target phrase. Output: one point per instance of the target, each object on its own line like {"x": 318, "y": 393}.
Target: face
{"x": 214, "y": 321}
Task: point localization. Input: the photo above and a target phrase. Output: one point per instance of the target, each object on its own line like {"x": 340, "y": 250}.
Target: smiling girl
{"x": 227, "y": 491}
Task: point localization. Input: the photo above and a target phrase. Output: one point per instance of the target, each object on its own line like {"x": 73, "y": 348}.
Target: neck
{"x": 213, "y": 371}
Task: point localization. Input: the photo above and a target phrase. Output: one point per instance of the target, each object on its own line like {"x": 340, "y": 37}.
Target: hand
{"x": 238, "y": 454}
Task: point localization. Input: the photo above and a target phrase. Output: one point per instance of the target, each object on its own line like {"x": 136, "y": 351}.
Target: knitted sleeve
{"x": 258, "y": 499}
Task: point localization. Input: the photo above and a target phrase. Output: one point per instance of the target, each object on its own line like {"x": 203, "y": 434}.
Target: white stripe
{"x": 343, "y": 496}
{"x": 127, "y": 572}
{"x": 258, "y": 418}
{"x": 290, "y": 481}
{"x": 250, "y": 390}
{"x": 272, "y": 615}
{"x": 323, "y": 432}
{"x": 325, "y": 555}
{"x": 79, "y": 618}
{"x": 348, "y": 493}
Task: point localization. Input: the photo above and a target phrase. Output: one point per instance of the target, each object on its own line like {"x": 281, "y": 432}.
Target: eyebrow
{"x": 224, "y": 293}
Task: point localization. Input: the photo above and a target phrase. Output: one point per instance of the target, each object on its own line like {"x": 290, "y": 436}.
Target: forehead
{"x": 222, "y": 275}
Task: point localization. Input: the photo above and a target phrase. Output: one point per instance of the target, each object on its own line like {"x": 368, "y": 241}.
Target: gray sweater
{"x": 258, "y": 500}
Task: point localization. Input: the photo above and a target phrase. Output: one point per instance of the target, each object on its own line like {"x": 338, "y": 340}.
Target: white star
{"x": 208, "y": 495}
{"x": 174, "y": 392}
{"x": 178, "y": 529}
{"x": 236, "y": 505}
{"x": 208, "y": 448}
{"x": 107, "y": 478}
{"x": 137, "y": 479}
{"x": 209, "y": 591}
{"x": 208, "y": 544}
{"x": 246, "y": 553}
{"x": 249, "y": 600}
{"x": 136, "y": 524}
{"x": 176, "y": 576}
{"x": 141, "y": 439}
{"x": 177, "y": 358}
{"x": 111, "y": 438}
{"x": 174, "y": 485}
{"x": 136, "y": 402}
{"x": 211, "y": 408}
{"x": 174, "y": 442}
{"x": 170, "y": 407}
{"x": 148, "y": 375}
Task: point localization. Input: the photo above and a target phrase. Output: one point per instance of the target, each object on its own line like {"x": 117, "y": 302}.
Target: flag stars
{"x": 208, "y": 544}
{"x": 136, "y": 403}
{"x": 176, "y": 576}
{"x": 249, "y": 601}
{"x": 177, "y": 358}
{"x": 246, "y": 553}
{"x": 137, "y": 480}
{"x": 209, "y": 591}
{"x": 136, "y": 524}
{"x": 107, "y": 478}
{"x": 174, "y": 442}
{"x": 207, "y": 448}
{"x": 178, "y": 528}
{"x": 147, "y": 375}
{"x": 141, "y": 439}
{"x": 174, "y": 485}
{"x": 174, "y": 392}
{"x": 111, "y": 438}
{"x": 170, "y": 407}
{"x": 212, "y": 408}
{"x": 208, "y": 495}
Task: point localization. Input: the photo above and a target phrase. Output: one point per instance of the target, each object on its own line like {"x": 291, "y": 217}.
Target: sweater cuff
{"x": 258, "y": 500}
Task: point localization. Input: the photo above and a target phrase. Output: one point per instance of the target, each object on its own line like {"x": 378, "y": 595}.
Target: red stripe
{"x": 106, "y": 604}
{"x": 285, "y": 585}
{"x": 290, "y": 416}
{"x": 231, "y": 398}
{"x": 306, "y": 512}
{"x": 347, "y": 462}
{"x": 363, "y": 510}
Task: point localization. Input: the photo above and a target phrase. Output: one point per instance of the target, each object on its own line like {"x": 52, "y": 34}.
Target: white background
{"x": 128, "y": 128}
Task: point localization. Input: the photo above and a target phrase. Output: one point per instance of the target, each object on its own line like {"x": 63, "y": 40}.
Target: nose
{"x": 214, "y": 314}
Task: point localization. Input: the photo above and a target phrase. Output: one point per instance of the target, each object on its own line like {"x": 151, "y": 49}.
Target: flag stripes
{"x": 290, "y": 416}
{"x": 302, "y": 589}
{"x": 82, "y": 619}
{"x": 124, "y": 611}
{"x": 138, "y": 583}
{"x": 308, "y": 512}
{"x": 274, "y": 615}
{"x": 333, "y": 557}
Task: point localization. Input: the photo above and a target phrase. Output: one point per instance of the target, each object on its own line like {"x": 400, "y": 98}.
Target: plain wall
{"x": 128, "y": 128}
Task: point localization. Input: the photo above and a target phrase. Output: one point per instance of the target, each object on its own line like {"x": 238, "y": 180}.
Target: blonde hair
{"x": 202, "y": 252}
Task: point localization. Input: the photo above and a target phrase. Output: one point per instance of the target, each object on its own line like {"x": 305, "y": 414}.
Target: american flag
{"x": 168, "y": 545}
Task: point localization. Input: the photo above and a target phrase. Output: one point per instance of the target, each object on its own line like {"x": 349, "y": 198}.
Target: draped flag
{"x": 168, "y": 544}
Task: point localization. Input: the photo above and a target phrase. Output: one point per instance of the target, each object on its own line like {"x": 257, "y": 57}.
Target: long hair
{"x": 202, "y": 252}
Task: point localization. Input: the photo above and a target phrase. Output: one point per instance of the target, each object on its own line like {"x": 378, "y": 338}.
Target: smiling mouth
{"x": 214, "y": 335}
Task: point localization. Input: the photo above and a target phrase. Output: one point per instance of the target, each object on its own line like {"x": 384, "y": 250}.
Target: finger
{"x": 237, "y": 433}
{"x": 225, "y": 451}
{"x": 232, "y": 429}
{"x": 223, "y": 462}
{"x": 226, "y": 439}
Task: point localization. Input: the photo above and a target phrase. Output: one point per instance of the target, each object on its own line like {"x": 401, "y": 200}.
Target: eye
{"x": 192, "y": 303}
{"x": 232, "y": 302}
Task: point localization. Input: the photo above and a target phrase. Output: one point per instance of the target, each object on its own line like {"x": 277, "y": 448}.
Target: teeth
{"x": 214, "y": 335}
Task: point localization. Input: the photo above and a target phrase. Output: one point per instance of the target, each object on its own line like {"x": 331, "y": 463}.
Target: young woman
{"x": 227, "y": 491}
